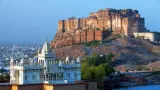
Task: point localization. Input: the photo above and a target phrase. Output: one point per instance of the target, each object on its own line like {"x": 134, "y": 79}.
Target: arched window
{"x": 44, "y": 77}
{"x": 33, "y": 77}
{"x": 51, "y": 76}
{"x": 76, "y": 76}
{"x": 61, "y": 76}
{"x": 47, "y": 77}
{"x": 41, "y": 62}
{"x": 54, "y": 77}
{"x": 68, "y": 75}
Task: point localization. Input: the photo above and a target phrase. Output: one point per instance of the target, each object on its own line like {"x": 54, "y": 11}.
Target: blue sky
{"x": 28, "y": 21}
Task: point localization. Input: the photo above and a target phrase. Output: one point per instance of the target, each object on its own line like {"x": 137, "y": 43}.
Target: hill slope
{"x": 130, "y": 53}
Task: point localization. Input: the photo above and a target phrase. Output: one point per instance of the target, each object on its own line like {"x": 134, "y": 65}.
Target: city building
{"x": 45, "y": 69}
{"x": 152, "y": 36}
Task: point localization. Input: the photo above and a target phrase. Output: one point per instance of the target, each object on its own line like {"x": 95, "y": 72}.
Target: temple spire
{"x": 46, "y": 40}
{"x": 46, "y": 46}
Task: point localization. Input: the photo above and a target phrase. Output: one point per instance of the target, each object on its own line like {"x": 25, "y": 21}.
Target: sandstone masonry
{"x": 96, "y": 26}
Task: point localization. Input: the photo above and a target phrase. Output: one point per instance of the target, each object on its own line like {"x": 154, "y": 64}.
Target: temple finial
{"x": 46, "y": 39}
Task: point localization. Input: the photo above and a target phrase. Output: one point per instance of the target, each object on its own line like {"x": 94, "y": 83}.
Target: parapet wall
{"x": 79, "y": 86}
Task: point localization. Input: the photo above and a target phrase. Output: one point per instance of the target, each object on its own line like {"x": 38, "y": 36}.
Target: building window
{"x": 68, "y": 75}
{"x": 33, "y": 77}
{"x": 76, "y": 76}
{"x": 54, "y": 77}
{"x": 51, "y": 76}
{"x": 61, "y": 77}
{"x": 26, "y": 77}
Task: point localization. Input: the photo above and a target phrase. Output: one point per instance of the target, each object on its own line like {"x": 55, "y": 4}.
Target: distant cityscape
{"x": 16, "y": 51}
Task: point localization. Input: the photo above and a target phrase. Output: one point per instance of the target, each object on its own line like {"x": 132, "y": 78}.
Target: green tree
{"x": 96, "y": 60}
{"x": 89, "y": 61}
{"x": 96, "y": 67}
{"x": 1, "y": 78}
{"x": 109, "y": 57}
{"x": 87, "y": 74}
{"x": 108, "y": 69}
{"x": 99, "y": 72}
{"x": 93, "y": 68}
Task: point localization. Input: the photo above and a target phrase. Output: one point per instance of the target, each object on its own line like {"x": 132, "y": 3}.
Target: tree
{"x": 99, "y": 72}
{"x": 108, "y": 58}
{"x": 87, "y": 73}
{"x": 1, "y": 78}
{"x": 89, "y": 61}
{"x": 108, "y": 69}
{"x": 96, "y": 67}
{"x": 93, "y": 68}
{"x": 96, "y": 59}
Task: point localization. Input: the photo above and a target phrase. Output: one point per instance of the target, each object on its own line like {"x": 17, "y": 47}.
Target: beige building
{"x": 145, "y": 35}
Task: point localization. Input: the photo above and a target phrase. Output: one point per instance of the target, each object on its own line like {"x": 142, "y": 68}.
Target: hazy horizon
{"x": 29, "y": 21}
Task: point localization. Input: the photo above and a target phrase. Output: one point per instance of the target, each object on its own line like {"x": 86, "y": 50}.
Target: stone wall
{"x": 6, "y": 87}
{"x": 77, "y": 86}
{"x": 30, "y": 87}
{"x": 71, "y": 87}
{"x": 105, "y": 19}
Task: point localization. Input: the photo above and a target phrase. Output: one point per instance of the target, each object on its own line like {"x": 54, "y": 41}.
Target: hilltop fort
{"x": 97, "y": 25}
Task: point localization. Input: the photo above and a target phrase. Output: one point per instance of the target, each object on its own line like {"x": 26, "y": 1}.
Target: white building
{"x": 45, "y": 70}
{"x": 145, "y": 35}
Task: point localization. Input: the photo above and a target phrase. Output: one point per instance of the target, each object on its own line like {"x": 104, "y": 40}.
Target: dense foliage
{"x": 96, "y": 67}
{"x": 4, "y": 78}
